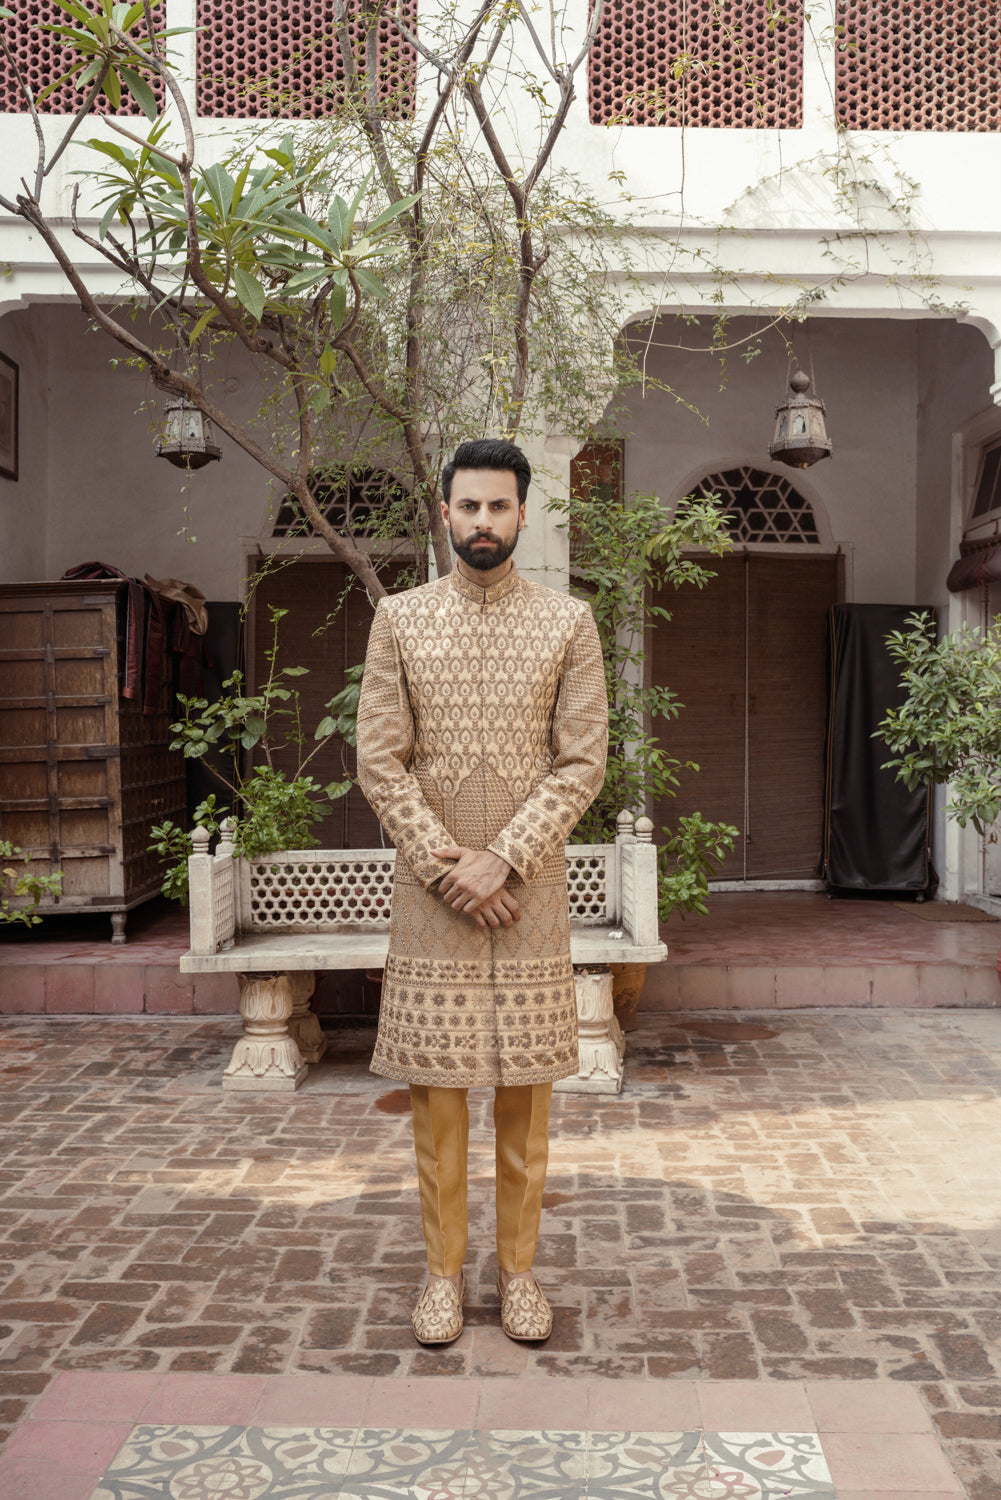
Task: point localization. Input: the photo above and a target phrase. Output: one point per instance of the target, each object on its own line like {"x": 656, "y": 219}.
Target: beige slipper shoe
{"x": 437, "y": 1318}
{"x": 525, "y": 1312}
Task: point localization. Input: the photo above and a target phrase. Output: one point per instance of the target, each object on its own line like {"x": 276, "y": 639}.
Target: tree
{"x": 948, "y": 728}
{"x": 457, "y": 283}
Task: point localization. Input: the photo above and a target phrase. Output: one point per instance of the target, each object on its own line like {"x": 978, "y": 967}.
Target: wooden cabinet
{"x": 84, "y": 772}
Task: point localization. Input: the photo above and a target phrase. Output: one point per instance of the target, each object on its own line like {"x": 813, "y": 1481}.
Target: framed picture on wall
{"x": 8, "y": 417}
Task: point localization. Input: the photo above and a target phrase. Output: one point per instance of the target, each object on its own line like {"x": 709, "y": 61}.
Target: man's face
{"x": 483, "y": 516}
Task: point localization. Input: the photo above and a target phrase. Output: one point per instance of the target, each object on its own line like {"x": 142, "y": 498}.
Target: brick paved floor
{"x": 798, "y": 1197}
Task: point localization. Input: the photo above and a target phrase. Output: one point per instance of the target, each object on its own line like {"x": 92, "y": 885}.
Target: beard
{"x": 482, "y": 558}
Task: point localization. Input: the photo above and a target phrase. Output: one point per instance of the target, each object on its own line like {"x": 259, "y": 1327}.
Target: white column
{"x": 266, "y": 1059}
{"x": 304, "y": 1027}
{"x": 600, "y": 1053}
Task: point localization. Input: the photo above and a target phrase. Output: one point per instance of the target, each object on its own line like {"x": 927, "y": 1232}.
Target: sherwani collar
{"x": 481, "y": 596}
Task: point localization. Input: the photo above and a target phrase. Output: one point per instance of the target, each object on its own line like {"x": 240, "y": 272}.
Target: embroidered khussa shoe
{"x": 437, "y": 1318}
{"x": 525, "y": 1312}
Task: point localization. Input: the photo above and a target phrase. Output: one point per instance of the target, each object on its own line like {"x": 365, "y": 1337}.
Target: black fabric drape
{"x": 876, "y": 832}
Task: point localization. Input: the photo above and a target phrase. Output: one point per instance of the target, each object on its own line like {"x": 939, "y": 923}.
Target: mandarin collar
{"x": 481, "y": 596}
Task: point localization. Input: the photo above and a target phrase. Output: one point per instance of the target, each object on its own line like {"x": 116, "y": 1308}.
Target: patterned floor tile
{"x": 321, "y": 1463}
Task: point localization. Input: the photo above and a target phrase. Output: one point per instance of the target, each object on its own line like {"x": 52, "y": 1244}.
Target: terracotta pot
{"x": 627, "y": 987}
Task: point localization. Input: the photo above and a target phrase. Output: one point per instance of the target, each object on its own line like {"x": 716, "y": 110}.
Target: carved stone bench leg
{"x": 266, "y": 1059}
{"x": 304, "y": 1027}
{"x": 601, "y": 1042}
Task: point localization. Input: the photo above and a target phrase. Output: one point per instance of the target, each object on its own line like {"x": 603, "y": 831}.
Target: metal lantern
{"x": 800, "y": 427}
{"x": 187, "y": 436}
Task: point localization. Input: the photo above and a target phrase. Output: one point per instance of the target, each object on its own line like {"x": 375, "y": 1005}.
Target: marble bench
{"x": 276, "y": 919}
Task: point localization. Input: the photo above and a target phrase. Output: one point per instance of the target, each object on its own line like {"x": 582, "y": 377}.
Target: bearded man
{"x": 482, "y": 730}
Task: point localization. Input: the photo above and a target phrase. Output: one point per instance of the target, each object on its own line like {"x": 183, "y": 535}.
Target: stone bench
{"x": 275, "y": 919}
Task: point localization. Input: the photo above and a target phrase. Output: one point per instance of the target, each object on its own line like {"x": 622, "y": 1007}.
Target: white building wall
{"x": 867, "y": 374}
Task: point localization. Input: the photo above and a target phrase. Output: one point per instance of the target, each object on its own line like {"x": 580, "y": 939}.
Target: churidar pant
{"x": 441, "y": 1137}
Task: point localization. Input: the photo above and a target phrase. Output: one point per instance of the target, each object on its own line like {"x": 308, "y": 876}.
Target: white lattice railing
{"x": 312, "y": 890}
{"x": 350, "y": 890}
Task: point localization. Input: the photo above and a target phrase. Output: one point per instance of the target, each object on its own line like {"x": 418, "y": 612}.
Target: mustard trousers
{"x": 441, "y": 1138}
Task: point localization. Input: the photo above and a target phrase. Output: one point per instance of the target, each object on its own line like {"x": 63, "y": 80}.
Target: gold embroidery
{"x": 482, "y": 722}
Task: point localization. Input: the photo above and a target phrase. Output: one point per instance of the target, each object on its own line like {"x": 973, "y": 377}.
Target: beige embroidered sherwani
{"x": 483, "y": 722}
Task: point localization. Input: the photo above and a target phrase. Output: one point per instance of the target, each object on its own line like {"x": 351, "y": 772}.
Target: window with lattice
{"x": 359, "y": 502}
{"x": 762, "y": 507}
{"x": 919, "y": 64}
{"x": 281, "y": 57}
{"x": 41, "y": 58}
{"x": 595, "y": 474}
{"x": 723, "y": 63}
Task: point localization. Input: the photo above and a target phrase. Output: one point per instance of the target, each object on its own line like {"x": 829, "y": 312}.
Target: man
{"x": 482, "y": 729}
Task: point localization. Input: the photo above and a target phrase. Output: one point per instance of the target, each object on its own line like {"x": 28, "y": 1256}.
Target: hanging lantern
{"x": 800, "y": 427}
{"x": 187, "y": 436}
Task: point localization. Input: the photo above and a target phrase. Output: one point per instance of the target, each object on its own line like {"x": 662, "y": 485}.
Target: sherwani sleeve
{"x": 579, "y": 743}
{"x": 385, "y": 746}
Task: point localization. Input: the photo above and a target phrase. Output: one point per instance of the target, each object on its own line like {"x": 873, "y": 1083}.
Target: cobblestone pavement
{"x": 805, "y": 1196}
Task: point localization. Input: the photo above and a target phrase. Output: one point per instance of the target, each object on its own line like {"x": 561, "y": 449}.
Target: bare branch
{"x": 137, "y": 140}
{"x": 366, "y": 98}
{"x": 29, "y": 96}
{"x": 471, "y": 89}
{"x": 78, "y": 118}
{"x": 550, "y": 64}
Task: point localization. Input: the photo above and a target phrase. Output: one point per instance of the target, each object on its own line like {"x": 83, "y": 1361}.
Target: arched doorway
{"x": 327, "y": 615}
{"x": 747, "y": 658}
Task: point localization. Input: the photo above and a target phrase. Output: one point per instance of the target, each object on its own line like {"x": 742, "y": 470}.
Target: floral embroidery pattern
{"x": 483, "y": 723}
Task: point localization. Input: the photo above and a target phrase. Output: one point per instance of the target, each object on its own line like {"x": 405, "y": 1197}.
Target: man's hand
{"x": 475, "y": 886}
{"x": 499, "y": 910}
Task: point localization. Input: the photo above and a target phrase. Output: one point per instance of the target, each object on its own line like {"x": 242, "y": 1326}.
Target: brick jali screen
{"x": 919, "y": 64}
{"x": 698, "y": 62}
{"x": 280, "y": 57}
{"x": 42, "y": 58}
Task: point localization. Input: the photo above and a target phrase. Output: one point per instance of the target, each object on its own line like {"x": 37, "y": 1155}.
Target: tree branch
{"x": 29, "y": 96}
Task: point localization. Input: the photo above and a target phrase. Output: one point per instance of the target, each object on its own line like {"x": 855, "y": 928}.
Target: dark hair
{"x": 489, "y": 453}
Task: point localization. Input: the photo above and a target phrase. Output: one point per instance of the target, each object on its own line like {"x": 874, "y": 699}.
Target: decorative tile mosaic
{"x": 321, "y": 1463}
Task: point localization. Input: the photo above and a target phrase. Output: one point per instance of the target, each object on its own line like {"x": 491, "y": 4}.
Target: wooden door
{"x": 325, "y": 630}
{"x": 746, "y": 656}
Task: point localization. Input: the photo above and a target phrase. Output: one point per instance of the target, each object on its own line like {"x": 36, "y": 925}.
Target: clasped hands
{"x": 475, "y": 885}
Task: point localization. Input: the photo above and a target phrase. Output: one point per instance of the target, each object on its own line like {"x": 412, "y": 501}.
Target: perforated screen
{"x": 698, "y": 62}
{"x": 919, "y": 64}
{"x": 41, "y": 59}
{"x": 280, "y": 57}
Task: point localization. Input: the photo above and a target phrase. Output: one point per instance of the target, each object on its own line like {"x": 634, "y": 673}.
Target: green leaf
{"x": 113, "y": 89}
{"x": 141, "y": 92}
{"x": 250, "y": 292}
{"x": 220, "y": 186}
{"x": 76, "y": 11}
{"x": 328, "y": 360}
{"x": 304, "y": 280}
{"x": 370, "y": 284}
{"x": 392, "y": 212}
{"x": 295, "y": 671}
{"x": 339, "y": 221}
{"x": 338, "y": 304}
{"x": 320, "y": 400}
{"x": 202, "y": 324}
{"x": 109, "y": 214}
